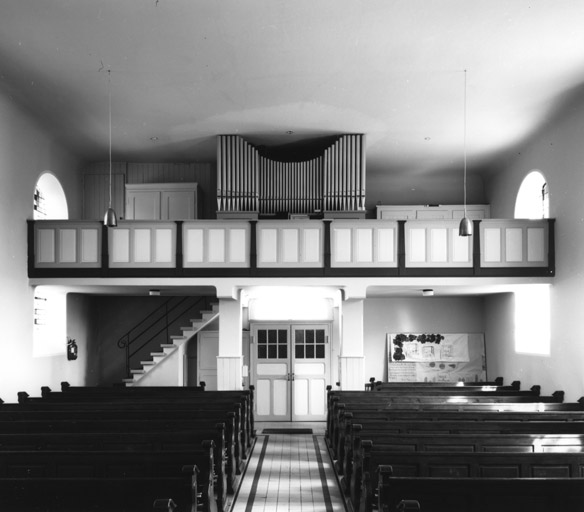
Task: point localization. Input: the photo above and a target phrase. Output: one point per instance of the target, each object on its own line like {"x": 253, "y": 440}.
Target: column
{"x": 351, "y": 360}
{"x": 230, "y": 358}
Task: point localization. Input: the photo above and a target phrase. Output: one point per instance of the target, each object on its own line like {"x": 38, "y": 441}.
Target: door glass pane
{"x": 283, "y": 352}
{"x": 262, "y": 337}
{"x": 299, "y": 352}
{"x": 309, "y": 351}
{"x": 272, "y": 336}
{"x": 272, "y": 351}
{"x": 320, "y": 351}
{"x": 299, "y": 337}
{"x": 309, "y": 336}
{"x": 320, "y": 336}
{"x": 262, "y": 352}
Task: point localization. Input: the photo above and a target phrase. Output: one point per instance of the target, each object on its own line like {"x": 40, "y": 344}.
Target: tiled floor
{"x": 289, "y": 473}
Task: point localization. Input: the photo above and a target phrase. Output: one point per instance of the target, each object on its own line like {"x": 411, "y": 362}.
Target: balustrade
{"x": 338, "y": 247}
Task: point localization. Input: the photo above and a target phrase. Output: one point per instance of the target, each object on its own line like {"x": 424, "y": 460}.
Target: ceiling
{"x": 279, "y": 72}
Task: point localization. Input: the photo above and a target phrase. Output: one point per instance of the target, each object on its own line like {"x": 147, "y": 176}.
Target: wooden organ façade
{"x": 251, "y": 183}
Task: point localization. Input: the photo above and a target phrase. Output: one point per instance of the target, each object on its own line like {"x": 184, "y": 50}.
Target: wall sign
{"x": 435, "y": 357}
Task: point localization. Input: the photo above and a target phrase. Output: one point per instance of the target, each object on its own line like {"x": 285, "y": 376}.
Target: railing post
{"x": 128, "y": 374}
{"x": 166, "y": 321}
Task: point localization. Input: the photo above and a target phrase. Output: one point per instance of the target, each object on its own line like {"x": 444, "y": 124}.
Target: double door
{"x": 290, "y": 368}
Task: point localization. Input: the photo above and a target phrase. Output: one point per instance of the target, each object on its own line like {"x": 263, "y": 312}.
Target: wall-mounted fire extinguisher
{"x": 71, "y": 349}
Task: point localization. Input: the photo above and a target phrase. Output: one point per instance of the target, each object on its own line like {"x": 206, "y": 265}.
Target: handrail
{"x": 167, "y": 314}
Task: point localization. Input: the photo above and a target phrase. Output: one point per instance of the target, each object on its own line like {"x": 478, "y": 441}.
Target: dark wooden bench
{"x": 198, "y": 415}
{"x": 460, "y": 466}
{"x": 141, "y": 429}
{"x": 451, "y": 443}
{"x": 434, "y": 494}
{"x": 355, "y": 431}
{"x": 532, "y": 400}
{"x": 122, "y": 464}
{"x": 377, "y": 385}
{"x": 336, "y": 438}
{"x": 140, "y": 395}
{"x": 126, "y": 439}
{"x": 78, "y": 494}
{"x": 165, "y": 391}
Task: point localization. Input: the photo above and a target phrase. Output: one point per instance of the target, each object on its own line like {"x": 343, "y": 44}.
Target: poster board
{"x": 436, "y": 357}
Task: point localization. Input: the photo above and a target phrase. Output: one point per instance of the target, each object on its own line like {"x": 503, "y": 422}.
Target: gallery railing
{"x": 268, "y": 248}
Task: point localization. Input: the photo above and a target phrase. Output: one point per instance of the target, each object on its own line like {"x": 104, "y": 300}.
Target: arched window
{"x": 533, "y": 197}
{"x": 49, "y": 201}
{"x": 50, "y": 310}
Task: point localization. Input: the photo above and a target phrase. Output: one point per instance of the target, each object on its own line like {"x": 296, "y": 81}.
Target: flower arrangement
{"x": 399, "y": 339}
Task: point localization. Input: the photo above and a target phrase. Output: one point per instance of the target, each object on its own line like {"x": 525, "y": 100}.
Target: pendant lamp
{"x": 110, "y": 219}
{"x": 465, "y": 226}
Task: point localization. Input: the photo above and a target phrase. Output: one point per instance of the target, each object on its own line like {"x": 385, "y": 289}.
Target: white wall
{"x": 558, "y": 152}
{"x": 428, "y": 314}
{"x": 26, "y": 151}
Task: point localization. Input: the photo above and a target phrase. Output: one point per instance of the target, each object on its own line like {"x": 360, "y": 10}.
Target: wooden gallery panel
{"x": 290, "y": 243}
{"x": 436, "y": 244}
{"x": 143, "y": 244}
{"x": 216, "y": 244}
{"x": 514, "y": 243}
{"x": 364, "y": 244}
{"x": 71, "y": 244}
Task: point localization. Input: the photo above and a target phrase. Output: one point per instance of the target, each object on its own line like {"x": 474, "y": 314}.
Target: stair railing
{"x": 162, "y": 319}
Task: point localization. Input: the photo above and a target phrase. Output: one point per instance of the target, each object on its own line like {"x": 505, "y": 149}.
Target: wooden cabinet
{"x": 430, "y": 212}
{"x": 161, "y": 201}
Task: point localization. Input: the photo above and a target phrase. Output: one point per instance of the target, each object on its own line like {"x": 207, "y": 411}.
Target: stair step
{"x": 206, "y": 317}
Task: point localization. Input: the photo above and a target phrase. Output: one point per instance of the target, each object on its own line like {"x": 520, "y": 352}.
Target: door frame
{"x": 289, "y": 325}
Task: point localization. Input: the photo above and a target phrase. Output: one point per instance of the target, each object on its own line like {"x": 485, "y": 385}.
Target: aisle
{"x": 289, "y": 473}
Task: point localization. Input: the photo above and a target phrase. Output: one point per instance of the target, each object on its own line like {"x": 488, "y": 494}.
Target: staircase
{"x": 167, "y": 350}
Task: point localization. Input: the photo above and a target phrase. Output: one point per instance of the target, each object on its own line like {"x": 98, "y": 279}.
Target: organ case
{"x": 250, "y": 182}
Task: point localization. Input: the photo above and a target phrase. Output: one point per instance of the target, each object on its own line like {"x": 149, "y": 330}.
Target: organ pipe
{"x": 250, "y": 182}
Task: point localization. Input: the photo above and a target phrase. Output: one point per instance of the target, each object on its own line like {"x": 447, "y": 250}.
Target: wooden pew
{"x": 462, "y": 436}
{"x": 460, "y": 466}
{"x": 209, "y": 414}
{"x": 172, "y": 391}
{"x": 434, "y": 494}
{"x": 128, "y": 439}
{"x": 142, "y": 429}
{"x": 174, "y": 394}
{"x": 361, "y": 415}
{"x": 78, "y": 494}
{"x": 95, "y": 465}
{"x": 377, "y": 385}
{"x": 498, "y": 381}
{"x": 374, "y": 401}
{"x": 451, "y": 443}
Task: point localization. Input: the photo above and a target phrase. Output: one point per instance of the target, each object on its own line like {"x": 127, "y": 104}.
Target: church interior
{"x": 298, "y": 198}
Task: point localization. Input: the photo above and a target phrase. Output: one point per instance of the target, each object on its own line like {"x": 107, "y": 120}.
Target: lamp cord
{"x": 109, "y": 93}
{"x": 464, "y": 144}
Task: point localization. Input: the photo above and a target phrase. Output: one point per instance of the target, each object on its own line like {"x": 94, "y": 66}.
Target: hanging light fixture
{"x": 110, "y": 219}
{"x": 465, "y": 227}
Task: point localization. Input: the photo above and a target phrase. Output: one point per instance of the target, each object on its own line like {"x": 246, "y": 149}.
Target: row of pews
{"x": 119, "y": 449}
{"x": 437, "y": 447}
